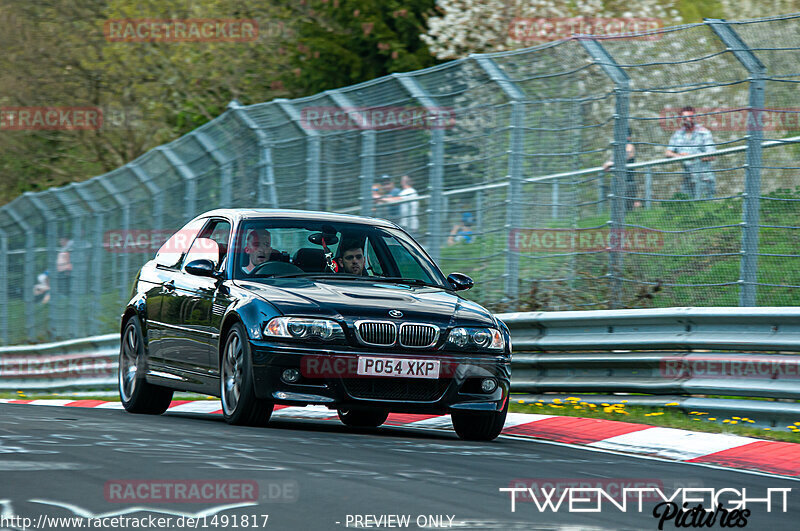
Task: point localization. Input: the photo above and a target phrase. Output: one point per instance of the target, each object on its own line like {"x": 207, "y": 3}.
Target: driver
{"x": 352, "y": 260}
{"x": 258, "y": 246}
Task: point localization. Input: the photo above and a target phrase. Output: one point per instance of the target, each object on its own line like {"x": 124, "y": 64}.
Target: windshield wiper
{"x": 402, "y": 280}
{"x": 342, "y": 276}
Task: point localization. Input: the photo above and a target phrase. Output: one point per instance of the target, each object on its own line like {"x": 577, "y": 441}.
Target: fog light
{"x": 290, "y": 376}
{"x": 488, "y": 385}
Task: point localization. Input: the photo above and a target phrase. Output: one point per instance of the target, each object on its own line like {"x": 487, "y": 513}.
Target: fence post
{"x": 189, "y": 181}
{"x": 603, "y": 59}
{"x": 225, "y": 173}
{"x": 648, "y": 188}
{"x": 515, "y": 165}
{"x": 266, "y": 172}
{"x": 3, "y": 288}
{"x": 78, "y": 263}
{"x": 368, "y": 140}
{"x": 748, "y": 268}
{"x": 126, "y": 227}
{"x": 95, "y": 286}
{"x": 435, "y": 164}
{"x": 312, "y": 153}
{"x": 155, "y": 194}
{"x": 58, "y": 298}
{"x": 27, "y": 272}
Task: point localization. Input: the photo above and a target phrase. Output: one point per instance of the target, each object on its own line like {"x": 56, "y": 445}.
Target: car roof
{"x": 279, "y": 213}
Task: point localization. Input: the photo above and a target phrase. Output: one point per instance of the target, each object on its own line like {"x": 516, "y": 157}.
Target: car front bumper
{"x": 328, "y": 377}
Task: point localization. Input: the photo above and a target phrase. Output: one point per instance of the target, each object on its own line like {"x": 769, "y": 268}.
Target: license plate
{"x": 398, "y": 367}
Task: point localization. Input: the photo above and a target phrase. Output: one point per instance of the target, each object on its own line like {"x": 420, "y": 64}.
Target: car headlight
{"x": 303, "y": 328}
{"x": 482, "y": 338}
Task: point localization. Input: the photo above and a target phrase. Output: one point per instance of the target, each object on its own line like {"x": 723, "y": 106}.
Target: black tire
{"x": 239, "y": 403}
{"x": 136, "y": 394}
{"x": 363, "y": 418}
{"x": 479, "y": 426}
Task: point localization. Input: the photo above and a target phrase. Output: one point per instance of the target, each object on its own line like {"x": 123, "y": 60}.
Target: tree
{"x": 342, "y": 42}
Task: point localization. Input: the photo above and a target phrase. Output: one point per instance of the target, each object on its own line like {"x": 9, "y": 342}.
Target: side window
{"x": 175, "y": 248}
{"x": 373, "y": 265}
{"x": 218, "y": 230}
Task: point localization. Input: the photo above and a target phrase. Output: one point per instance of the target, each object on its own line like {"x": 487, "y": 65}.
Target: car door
{"x": 167, "y": 267}
{"x": 188, "y": 309}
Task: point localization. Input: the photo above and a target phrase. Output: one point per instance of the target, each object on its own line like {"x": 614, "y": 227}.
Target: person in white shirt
{"x": 409, "y": 219}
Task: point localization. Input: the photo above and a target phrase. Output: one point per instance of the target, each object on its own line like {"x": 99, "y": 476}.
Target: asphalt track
{"x": 314, "y": 474}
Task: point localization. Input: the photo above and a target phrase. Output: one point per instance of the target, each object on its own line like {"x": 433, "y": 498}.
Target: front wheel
{"x": 135, "y": 393}
{"x": 479, "y": 425}
{"x": 239, "y": 403}
{"x": 363, "y": 418}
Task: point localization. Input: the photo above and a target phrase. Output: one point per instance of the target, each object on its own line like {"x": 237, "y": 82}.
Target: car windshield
{"x": 274, "y": 249}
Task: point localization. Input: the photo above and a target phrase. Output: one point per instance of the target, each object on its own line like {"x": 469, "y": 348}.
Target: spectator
{"x": 462, "y": 231}
{"x": 693, "y": 139}
{"x": 41, "y": 290}
{"x": 390, "y": 193}
{"x": 63, "y": 267}
{"x": 410, "y": 209}
{"x": 631, "y": 188}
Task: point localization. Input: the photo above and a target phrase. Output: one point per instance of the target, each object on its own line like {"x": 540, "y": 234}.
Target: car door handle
{"x": 169, "y": 286}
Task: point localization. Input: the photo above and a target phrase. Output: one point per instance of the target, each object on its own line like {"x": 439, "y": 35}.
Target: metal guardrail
{"x": 625, "y": 353}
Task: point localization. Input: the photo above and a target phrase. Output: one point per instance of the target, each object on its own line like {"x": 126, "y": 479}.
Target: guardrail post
{"x": 368, "y": 140}
{"x": 95, "y": 286}
{"x": 155, "y": 194}
{"x": 435, "y": 164}
{"x": 27, "y": 272}
{"x": 648, "y": 188}
{"x": 189, "y": 181}
{"x": 515, "y": 166}
{"x": 621, "y": 81}
{"x": 222, "y": 162}
{"x": 125, "y": 277}
{"x": 312, "y": 153}
{"x": 266, "y": 171}
{"x": 3, "y": 288}
{"x": 58, "y": 298}
{"x": 748, "y": 275}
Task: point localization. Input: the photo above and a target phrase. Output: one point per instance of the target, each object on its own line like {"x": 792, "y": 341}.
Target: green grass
{"x": 713, "y": 257}
{"x": 668, "y": 417}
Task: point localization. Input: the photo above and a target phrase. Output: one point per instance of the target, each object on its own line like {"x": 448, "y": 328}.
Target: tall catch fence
{"x": 507, "y": 163}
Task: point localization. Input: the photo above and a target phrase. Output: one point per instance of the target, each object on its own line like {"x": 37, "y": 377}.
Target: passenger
{"x": 352, "y": 258}
{"x": 258, "y": 246}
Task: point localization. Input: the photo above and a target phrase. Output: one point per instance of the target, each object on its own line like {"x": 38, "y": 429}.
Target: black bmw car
{"x": 265, "y": 307}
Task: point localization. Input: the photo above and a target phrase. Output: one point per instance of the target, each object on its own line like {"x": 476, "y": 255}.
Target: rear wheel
{"x": 239, "y": 403}
{"x": 136, "y": 394}
{"x": 363, "y": 418}
{"x": 479, "y": 425}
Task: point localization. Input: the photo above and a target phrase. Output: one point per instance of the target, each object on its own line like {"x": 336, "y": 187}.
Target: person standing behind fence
{"x": 694, "y": 139}
{"x": 390, "y": 193}
{"x": 631, "y": 188}
{"x": 63, "y": 267}
{"x": 409, "y": 219}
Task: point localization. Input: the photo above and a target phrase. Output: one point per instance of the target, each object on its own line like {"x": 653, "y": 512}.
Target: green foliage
{"x": 343, "y": 42}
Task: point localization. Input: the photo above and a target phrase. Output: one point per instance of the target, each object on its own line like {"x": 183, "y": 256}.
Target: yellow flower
{"x": 768, "y": 429}
{"x": 539, "y": 404}
{"x": 734, "y": 422}
{"x": 624, "y": 401}
{"x": 726, "y": 421}
{"x": 577, "y": 407}
{"x": 671, "y": 404}
{"x": 573, "y": 398}
{"x": 695, "y": 418}
{"x": 605, "y": 405}
{"x": 556, "y": 400}
{"x": 712, "y": 418}
{"x": 592, "y": 405}
{"x": 554, "y": 405}
{"x": 736, "y": 418}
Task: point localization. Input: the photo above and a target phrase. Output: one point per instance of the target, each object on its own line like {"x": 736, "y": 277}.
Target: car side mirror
{"x": 460, "y": 281}
{"x": 201, "y": 268}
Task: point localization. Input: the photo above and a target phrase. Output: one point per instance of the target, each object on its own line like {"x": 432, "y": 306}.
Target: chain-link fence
{"x": 504, "y": 156}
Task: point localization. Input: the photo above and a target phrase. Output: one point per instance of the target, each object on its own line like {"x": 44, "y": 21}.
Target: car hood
{"x": 353, "y": 300}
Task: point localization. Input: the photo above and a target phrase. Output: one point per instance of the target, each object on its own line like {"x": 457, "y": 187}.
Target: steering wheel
{"x": 275, "y": 268}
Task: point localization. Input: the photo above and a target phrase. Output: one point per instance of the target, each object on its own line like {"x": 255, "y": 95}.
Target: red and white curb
{"x": 731, "y": 451}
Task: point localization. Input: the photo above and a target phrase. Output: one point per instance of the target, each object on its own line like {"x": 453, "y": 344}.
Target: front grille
{"x": 407, "y": 389}
{"x": 418, "y": 335}
{"x": 381, "y": 333}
